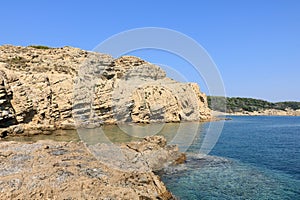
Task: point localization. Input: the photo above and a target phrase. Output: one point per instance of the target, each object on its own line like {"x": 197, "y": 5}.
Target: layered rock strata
{"x": 43, "y": 89}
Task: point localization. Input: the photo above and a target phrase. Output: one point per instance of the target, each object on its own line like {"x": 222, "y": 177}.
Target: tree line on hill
{"x": 238, "y": 104}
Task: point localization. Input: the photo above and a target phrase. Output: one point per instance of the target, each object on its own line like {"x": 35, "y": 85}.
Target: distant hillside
{"x": 237, "y": 104}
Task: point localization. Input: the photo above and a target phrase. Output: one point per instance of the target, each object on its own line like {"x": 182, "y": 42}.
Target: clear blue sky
{"x": 255, "y": 43}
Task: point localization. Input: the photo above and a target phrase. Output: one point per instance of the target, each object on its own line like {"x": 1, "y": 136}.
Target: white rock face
{"x": 45, "y": 89}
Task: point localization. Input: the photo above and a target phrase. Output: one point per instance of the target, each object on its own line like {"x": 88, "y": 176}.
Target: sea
{"x": 255, "y": 157}
{"x": 249, "y": 157}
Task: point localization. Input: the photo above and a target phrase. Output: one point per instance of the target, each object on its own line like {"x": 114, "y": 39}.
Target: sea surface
{"x": 255, "y": 157}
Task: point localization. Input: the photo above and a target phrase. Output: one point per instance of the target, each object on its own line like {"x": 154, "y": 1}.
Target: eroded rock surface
{"x": 59, "y": 88}
{"x": 61, "y": 170}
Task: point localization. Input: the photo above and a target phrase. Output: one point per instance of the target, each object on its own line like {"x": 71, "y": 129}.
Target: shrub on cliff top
{"x": 39, "y": 47}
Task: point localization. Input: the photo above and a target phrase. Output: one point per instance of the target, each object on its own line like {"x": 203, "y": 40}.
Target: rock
{"x": 150, "y": 154}
{"x": 68, "y": 87}
{"x": 17, "y": 129}
{"x": 7, "y": 113}
{"x": 3, "y": 132}
{"x": 61, "y": 170}
{"x": 181, "y": 159}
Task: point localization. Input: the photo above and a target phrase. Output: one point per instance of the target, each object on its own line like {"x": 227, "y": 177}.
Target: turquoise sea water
{"x": 254, "y": 158}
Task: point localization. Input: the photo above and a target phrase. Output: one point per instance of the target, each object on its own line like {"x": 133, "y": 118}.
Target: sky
{"x": 255, "y": 44}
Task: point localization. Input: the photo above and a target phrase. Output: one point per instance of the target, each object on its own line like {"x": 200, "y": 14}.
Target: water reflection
{"x": 58, "y": 135}
{"x": 182, "y": 134}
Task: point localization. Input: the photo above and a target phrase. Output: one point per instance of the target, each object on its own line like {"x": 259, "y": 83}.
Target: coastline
{"x": 268, "y": 112}
{"x": 43, "y": 90}
{"x": 37, "y": 98}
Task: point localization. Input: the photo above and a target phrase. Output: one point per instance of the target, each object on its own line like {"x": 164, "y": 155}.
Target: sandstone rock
{"x": 60, "y": 170}
{"x": 150, "y": 154}
{"x": 68, "y": 87}
{"x": 7, "y": 113}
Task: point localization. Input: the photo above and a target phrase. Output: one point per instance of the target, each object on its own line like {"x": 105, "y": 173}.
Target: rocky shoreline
{"x": 68, "y": 170}
{"x": 267, "y": 112}
{"x": 46, "y": 89}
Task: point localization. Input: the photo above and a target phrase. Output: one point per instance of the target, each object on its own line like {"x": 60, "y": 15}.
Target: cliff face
{"x": 46, "y": 89}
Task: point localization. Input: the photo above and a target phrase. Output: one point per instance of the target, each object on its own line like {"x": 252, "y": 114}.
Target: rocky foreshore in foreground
{"x": 68, "y": 170}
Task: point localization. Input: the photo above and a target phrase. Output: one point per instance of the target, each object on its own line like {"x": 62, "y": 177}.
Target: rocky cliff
{"x": 53, "y": 88}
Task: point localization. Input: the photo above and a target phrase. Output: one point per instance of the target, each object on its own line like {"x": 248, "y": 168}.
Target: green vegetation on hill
{"x": 39, "y": 47}
{"x": 237, "y": 104}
